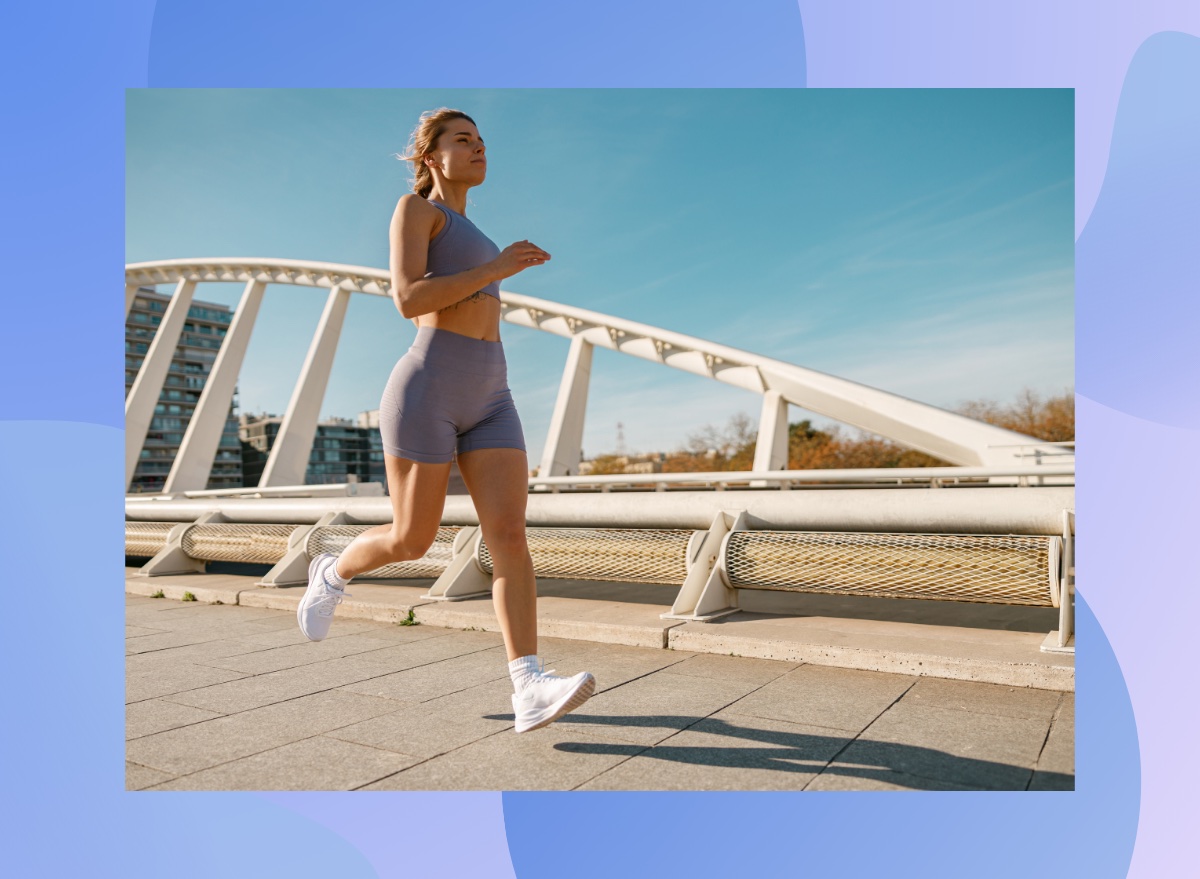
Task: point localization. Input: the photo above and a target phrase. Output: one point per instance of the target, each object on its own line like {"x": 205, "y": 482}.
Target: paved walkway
{"x": 229, "y": 697}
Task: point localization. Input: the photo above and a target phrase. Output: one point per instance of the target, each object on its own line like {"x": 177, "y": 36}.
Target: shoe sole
{"x": 566, "y": 704}
{"x": 312, "y": 569}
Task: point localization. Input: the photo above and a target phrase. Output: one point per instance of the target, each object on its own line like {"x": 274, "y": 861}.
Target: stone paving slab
{"x": 507, "y": 761}
{"x": 318, "y": 763}
{"x": 286, "y": 636}
{"x": 841, "y": 776}
{"x": 141, "y": 777}
{"x": 488, "y": 704}
{"x": 158, "y": 715}
{"x": 615, "y": 668}
{"x": 982, "y": 751}
{"x": 297, "y": 654}
{"x": 166, "y": 678}
{"x": 729, "y": 752}
{"x": 750, "y": 671}
{"x": 200, "y": 652}
{"x": 412, "y": 653}
{"x": 257, "y": 691}
{"x": 431, "y": 680}
{"x": 984, "y": 698}
{"x": 167, "y": 640}
{"x": 653, "y": 708}
{"x": 416, "y": 730}
{"x": 836, "y": 698}
{"x": 1055, "y": 768}
{"x": 197, "y": 630}
{"x": 213, "y": 742}
{"x": 134, "y": 631}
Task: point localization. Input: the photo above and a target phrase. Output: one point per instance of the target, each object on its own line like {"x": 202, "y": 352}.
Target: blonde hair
{"x": 421, "y": 143}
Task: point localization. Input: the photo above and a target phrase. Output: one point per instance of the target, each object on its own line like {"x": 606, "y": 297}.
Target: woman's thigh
{"x": 417, "y": 417}
{"x": 418, "y": 495}
{"x": 498, "y": 480}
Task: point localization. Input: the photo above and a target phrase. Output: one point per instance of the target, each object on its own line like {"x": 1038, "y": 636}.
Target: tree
{"x": 1052, "y": 420}
{"x": 732, "y": 447}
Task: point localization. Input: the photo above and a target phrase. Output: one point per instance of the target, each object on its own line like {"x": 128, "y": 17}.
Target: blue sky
{"x": 918, "y": 241}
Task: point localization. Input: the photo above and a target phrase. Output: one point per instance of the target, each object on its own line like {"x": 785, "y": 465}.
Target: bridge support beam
{"x": 130, "y": 295}
{"x": 293, "y": 567}
{"x": 770, "y": 452}
{"x": 463, "y": 578}
{"x": 194, "y": 463}
{"x": 705, "y": 594}
{"x": 171, "y": 559}
{"x": 565, "y": 438}
{"x": 288, "y": 461}
{"x": 144, "y": 394}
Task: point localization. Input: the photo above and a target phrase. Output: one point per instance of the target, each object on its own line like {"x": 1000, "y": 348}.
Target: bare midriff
{"x": 478, "y": 318}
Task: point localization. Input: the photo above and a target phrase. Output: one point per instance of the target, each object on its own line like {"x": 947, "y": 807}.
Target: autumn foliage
{"x": 732, "y": 447}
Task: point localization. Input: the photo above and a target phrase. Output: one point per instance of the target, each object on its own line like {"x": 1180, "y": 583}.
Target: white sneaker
{"x": 547, "y": 697}
{"x": 315, "y": 613}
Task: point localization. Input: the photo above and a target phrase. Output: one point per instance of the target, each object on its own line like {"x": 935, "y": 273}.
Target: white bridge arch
{"x": 947, "y": 435}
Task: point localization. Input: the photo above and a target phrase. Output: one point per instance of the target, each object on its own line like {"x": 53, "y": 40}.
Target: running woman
{"x": 448, "y": 397}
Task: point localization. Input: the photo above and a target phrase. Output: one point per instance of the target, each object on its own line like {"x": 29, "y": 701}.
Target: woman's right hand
{"x": 517, "y": 257}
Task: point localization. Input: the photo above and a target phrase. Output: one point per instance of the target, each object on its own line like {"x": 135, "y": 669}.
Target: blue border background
{"x": 68, "y": 64}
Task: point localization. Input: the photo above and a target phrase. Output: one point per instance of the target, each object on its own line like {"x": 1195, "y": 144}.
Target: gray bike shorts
{"x": 448, "y": 393}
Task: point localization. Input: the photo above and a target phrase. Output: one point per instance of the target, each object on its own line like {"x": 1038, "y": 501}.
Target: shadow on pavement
{"x": 808, "y": 753}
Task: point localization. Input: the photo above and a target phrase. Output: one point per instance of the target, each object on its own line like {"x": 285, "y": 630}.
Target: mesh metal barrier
{"x": 618, "y": 554}
{"x": 227, "y": 542}
{"x": 996, "y": 569}
{"x": 335, "y": 538}
{"x": 146, "y": 539}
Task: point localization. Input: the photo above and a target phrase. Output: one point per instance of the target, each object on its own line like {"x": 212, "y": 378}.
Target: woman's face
{"x": 459, "y": 153}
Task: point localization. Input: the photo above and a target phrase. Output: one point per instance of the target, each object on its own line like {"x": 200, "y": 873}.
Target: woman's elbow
{"x": 403, "y": 300}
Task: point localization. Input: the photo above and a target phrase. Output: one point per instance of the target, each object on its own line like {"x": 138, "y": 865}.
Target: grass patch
{"x": 158, "y": 594}
{"x": 410, "y": 620}
{"x": 187, "y": 596}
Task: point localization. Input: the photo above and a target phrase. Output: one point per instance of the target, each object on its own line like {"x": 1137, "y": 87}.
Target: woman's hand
{"x": 518, "y": 257}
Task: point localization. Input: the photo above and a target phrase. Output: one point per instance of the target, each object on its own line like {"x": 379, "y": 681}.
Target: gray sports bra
{"x": 458, "y": 247}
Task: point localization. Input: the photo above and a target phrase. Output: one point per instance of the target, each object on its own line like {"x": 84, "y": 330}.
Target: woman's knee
{"x": 506, "y": 543}
{"x": 407, "y": 547}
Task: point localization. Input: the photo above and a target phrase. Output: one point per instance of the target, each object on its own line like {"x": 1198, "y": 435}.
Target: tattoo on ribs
{"x": 474, "y": 297}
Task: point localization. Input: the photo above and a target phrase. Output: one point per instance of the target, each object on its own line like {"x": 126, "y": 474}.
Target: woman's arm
{"x": 413, "y": 293}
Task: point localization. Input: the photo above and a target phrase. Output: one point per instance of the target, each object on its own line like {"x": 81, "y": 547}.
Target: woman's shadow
{"x": 910, "y": 766}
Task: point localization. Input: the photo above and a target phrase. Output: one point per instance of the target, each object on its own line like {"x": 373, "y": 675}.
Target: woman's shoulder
{"x": 413, "y": 205}
{"x": 412, "y": 202}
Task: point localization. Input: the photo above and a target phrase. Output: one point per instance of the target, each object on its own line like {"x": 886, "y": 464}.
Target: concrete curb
{"x": 623, "y": 616}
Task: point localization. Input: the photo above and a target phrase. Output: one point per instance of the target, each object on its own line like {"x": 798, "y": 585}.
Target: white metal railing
{"x": 783, "y": 479}
{"x": 1037, "y": 454}
{"x": 337, "y": 489}
{"x": 965, "y": 510}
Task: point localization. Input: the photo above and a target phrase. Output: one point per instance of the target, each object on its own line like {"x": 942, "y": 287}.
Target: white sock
{"x": 334, "y": 579}
{"x": 522, "y": 670}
